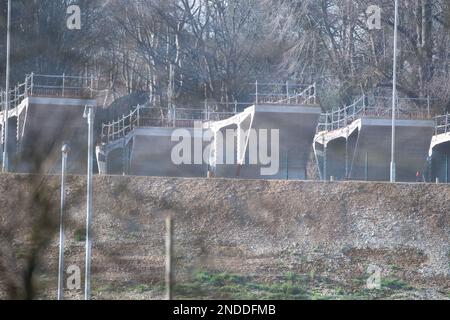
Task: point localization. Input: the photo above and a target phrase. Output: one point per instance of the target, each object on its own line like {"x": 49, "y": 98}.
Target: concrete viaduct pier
{"x": 290, "y": 126}
{"x": 142, "y": 143}
{"x": 354, "y": 143}
{"x": 45, "y": 112}
{"x": 440, "y": 150}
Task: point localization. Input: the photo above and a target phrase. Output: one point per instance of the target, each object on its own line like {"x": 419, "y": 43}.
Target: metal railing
{"x": 213, "y": 107}
{"x": 442, "y": 124}
{"x": 16, "y": 96}
{"x": 285, "y": 93}
{"x": 374, "y": 106}
{"x": 61, "y": 86}
{"x": 145, "y": 116}
{"x": 39, "y": 85}
{"x": 271, "y": 93}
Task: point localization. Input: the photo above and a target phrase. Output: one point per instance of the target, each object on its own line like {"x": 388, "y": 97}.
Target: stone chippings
{"x": 259, "y": 228}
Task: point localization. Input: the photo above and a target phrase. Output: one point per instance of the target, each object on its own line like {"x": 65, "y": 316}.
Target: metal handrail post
{"x": 339, "y": 118}
{"x": 346, "y": 116}
{"x": 315, "y": 92}
{"x": 332, "y": 119}
{"x": 123, "y": 125}
{"x": 16, "y": 95}
{"x": 26, "y": 87}
{"x": 32, "y": 82}
{"x": 364, "y": 99}
{"x": 446, "y": 122}
{"x": 138, "y": 116}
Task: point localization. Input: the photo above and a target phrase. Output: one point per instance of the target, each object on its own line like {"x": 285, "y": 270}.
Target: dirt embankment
{"x": 253, "y": 228}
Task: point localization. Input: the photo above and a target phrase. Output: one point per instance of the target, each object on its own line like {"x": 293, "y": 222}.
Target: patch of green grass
{"x": 290, "y": 286}
{"x": 395, "y": 284}
{"x": 141, "y": 288}
{"x": 136, "y": 288}
{"x": 79, "y": 235}
{"x": 229, "y": 286}
{"x": 219, "y": 279}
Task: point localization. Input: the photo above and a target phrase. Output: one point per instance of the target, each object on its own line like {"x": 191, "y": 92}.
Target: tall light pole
{"x": 64, "y": 152}
{"x": 89, "y": 115}
{"x": 5, "y": 166}
{"x": 394, "y": 98}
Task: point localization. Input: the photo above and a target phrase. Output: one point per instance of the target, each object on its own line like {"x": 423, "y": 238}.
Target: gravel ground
{"x": 262, "y": 230}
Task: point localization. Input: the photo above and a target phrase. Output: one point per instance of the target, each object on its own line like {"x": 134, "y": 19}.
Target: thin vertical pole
{"x": 32, "y": 83}
{"x": 325, "y": 178}
{"x": 109, "y": 131}
{"x": 92, "y": 86}
{"x": 138, "y": 116}
{"x": 63, "y": 83}
{"x": 256, "y": 84}
{"x": 332, "y": 119}
{"x": 314, "y": 93}
{"x": 5, "y": 164}
{"x": 364, "y": 105}
{"x": 366, "y": 168}
{"x": 394, "y": 98}
{"x": 446, "y": 123}
{"x": 169, "y": 253}
{"x": 125, "y": 157}
{"x": 3, "y": 127}
{"x": 287, "y": 165}
{"x": 174, "y": 116}
{"x": 346, "y": 158}
{"x": 287, "y": 92}
{"x": 90, "y": 120}
{"x": 339, "y": 118}
{"x": 25, "y": 92}
{"x": 64, "y": 151}
{"x": 446, "y": 168}
{"x": 430, "y": 168}
{"x": 123, "y": 126}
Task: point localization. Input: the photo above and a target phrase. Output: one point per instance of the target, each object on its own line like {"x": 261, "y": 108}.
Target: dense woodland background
{"x": 183, "y": 51}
